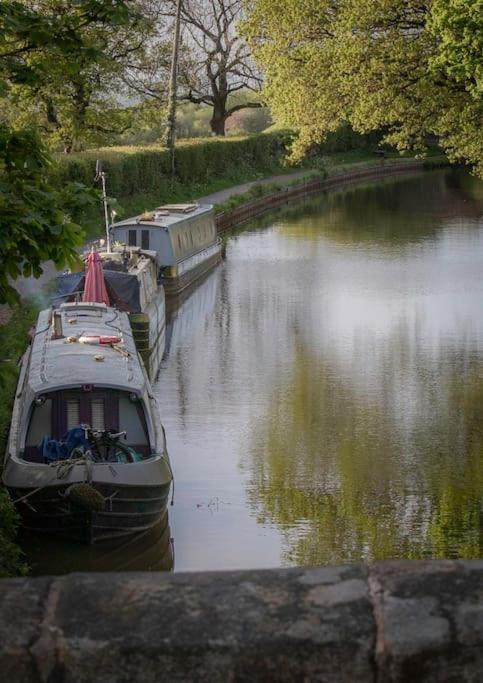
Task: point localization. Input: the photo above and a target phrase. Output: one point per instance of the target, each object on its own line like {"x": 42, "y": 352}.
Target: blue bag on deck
{"x": 53, "y": 449}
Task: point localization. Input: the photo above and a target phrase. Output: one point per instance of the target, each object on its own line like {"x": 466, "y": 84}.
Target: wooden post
{"x": 173, "y": 89}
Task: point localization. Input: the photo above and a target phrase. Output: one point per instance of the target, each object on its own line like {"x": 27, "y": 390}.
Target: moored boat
{"x": 131, "y": 282}
{"x": 87, "y": 454}
{"x": 184, "y": 238}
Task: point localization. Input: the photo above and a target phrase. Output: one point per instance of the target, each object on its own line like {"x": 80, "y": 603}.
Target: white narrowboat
{"x": 183, "y": 236}
{"x": 131, "y": 280}
{"x": 86, "y": 454}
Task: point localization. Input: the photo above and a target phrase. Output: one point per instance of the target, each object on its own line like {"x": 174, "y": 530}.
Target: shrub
{"x": 11, "y": 557}
{"x": 13, "y": 340}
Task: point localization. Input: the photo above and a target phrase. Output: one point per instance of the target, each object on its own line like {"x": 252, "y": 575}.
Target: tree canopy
{"x": 36, "y": 218}
{"x": 412, "y": 68}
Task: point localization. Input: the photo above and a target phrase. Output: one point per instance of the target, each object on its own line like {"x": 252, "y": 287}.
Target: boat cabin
{"x": 174, "y": 231}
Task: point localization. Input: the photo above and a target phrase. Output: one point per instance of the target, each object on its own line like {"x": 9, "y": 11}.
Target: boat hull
{"x": 128, "y": 510}
{"x": 178, "y": 284}
{"x": 149, "y": 332}
{"x": 89, "y": 502}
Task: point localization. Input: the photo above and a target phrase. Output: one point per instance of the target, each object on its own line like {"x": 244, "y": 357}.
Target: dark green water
{"x": 322, "y": 391}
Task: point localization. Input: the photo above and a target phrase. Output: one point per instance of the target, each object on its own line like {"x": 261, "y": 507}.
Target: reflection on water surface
{"x": 323, "y": 390}
{"x": 151, "y": 550}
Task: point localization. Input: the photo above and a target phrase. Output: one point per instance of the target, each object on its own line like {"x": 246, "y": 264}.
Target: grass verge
{"x": 13, "y": 341}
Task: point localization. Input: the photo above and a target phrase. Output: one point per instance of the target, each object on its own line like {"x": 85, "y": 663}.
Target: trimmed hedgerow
{"x": 137, "y": 170}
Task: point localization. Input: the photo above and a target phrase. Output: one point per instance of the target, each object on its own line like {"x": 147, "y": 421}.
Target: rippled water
{"x": 323, "y": 389}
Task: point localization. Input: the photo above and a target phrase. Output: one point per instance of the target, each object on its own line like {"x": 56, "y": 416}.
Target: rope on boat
{"x": 63, "y": 469}
{"x": 172, "y": 478}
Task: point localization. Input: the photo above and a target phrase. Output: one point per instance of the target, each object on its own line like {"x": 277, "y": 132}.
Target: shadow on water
{"x": 152, "y": 550}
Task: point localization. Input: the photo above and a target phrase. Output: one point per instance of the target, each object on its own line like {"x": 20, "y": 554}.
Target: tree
{"x": 220, "y": 64}
{"x": 36, "y": 218}
{"x": 409, "y": 67}
{"x": 80, "y": 103}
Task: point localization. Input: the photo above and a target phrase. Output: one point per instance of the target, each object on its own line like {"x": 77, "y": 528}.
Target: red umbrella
{"x": 95, "y": 287}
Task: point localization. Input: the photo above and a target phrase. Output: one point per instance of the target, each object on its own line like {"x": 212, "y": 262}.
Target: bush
{"x": 11, "y": 557}
{"x": 345, "y": 139}
{"x": 13, "y": 340}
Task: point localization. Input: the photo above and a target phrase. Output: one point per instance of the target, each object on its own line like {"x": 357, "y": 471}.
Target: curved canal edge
{"x": 337, "y": 177}
{"x": 391, "y": 621}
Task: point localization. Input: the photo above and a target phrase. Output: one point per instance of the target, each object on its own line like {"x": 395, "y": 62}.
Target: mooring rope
{"x": 63, "y": 469}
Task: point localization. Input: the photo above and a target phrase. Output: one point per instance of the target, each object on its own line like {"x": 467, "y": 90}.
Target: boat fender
{"x": 86, "y": 496}
{"x": 102, "y": 339}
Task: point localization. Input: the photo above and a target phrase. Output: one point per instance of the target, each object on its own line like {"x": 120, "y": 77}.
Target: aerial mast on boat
{"x": 101, "y": 176}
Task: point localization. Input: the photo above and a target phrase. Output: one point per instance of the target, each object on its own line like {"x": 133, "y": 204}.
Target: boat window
{"x": 132, "y": 238}
{"x": 144, "y": 239}
{"x": 40, "y": 423}
{"x": 73, "y": 413}
{"x": 131, "y": 421}
{"x": 97, "y": 413}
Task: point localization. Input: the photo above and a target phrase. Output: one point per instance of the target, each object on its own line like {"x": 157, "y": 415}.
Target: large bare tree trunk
{"x": 218, "y": 120}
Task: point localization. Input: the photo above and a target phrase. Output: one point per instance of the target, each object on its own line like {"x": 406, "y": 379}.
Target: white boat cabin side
{"x": 174, "y": 232}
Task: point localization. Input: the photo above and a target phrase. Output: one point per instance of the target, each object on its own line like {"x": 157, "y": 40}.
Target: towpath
{"x": 223, "y": 195}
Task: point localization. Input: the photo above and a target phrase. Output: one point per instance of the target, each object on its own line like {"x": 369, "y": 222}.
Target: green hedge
{"x": 137, "y": 170}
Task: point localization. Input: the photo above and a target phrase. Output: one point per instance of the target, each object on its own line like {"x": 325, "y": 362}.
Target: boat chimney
{"x": 57, "y": 331}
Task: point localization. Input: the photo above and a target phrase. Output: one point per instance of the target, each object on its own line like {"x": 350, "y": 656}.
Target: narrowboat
{"x": 131, "y": 281}
{"x": 87, "y": 455}
{"x": 184, "y": 238}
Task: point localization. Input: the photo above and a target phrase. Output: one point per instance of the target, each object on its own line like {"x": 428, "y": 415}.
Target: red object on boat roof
{"x": 99, "y": 339}
{"x": 95, "y": 288}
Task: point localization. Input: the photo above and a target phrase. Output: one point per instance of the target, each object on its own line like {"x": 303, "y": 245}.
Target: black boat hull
{"x": 127, "y": 510}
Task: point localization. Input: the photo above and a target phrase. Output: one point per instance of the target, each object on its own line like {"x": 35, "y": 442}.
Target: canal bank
{"x": 277, "y": 191}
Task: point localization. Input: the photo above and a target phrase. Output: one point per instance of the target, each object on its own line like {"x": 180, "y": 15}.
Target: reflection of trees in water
{"x": 344, "y": 479}
{"x": 394, "y": 210}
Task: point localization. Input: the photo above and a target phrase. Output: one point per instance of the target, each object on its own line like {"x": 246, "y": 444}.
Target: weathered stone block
{"x": 430, "y": 620}
{"x": 22, "y": 603}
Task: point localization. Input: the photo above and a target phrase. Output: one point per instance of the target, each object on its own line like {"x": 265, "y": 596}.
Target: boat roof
{"x": 57, "y": 361}
{"x": 166, "y": 216}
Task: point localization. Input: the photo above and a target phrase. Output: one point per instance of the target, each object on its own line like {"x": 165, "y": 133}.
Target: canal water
{"x": 322, "y": 390}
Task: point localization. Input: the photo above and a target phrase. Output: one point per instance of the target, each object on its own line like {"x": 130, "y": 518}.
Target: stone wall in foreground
{"x": 392, "y": 621}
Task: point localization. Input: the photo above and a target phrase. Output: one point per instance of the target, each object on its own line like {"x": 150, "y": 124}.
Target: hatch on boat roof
{"x": 178, "y": 208}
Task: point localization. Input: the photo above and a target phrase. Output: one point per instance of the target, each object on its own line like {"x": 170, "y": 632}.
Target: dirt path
{"x": 223, "y": 195}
